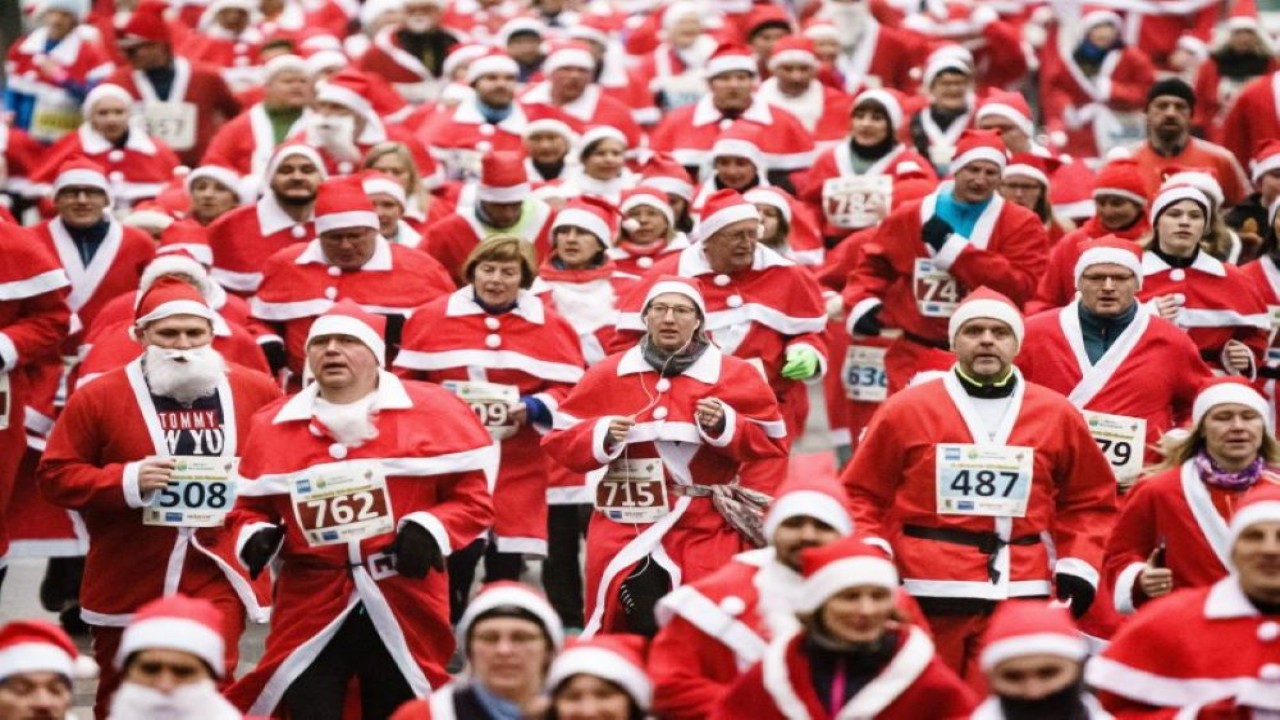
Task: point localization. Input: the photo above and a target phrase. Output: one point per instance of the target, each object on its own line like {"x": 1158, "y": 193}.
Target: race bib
{"x": 979, "y": 480}
{"x": 857, "y": 201}
{"x": 6, "y": 400}
{"x": 864, "y": 374}
{"x": 347, "y": 502}
{"x": 172, "y": 122}
{"x": 200, "y": 493}
{"x": 490, "y": 403}
{"x": 1121, "y": 439}
{"x": 937, "y": 293}
{"x": 1273, "y": 351}
{"x": 54, "y": 117}
{"x": 681, "y": 90}
{"x": 633, "y": 491}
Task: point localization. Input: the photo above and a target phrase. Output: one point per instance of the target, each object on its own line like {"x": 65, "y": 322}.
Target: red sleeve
{"x": 682, "y": 664}
{"x": 1129, "y": 87}
{"x": 1131, "y": 541}
{"x": 1053, "y": 291}
{"x": 746, "y": 698}
{"x": 1008, "y": 64}
{"x": 875, "y": 472}
{"x": 1085, "y": 497}
{"x": 70, "y": 473}
{"x": 1014, "y": 268}
{"x": 42, "y": 325}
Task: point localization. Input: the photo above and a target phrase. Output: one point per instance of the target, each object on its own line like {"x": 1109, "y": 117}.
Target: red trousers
{"x": 958, "y": 639}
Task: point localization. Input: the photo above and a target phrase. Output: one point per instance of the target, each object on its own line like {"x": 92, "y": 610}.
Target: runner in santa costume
{"x": 244, "y": 238}
{"x": 184, "y": 102}
{"x": 1120, "y": 197}
{"x": 501, "y": 348}
{"x": 246, "y": 142}
{"x": 674, "y": 451}
{"x": 760, "y": 307}
{"x": 673, "y": 74}
{"x": 503, "y": 204}
{"x": 1209, "y": 299}
{"x": 854, "y": 654}
{"x": 1172, "y": 532}
{"x": 227, "y": 38}
{"x": 649, "y": 231}
{"x": 1155, "y": 27}
{"x": 1025, "y": 182}
{"x": 1244, "y": 53}
{"x": 182, "y": 404}
{"x": 1033, "y": 656}
{"x": 716, "y": 628}
{"x": 999, "y": 60}
{"x": 788, "y": 228}
{"x": 1150, "y": 669}
{"x": 1094, "y": 90}
{"x": 793, "y": 66}
{"x": 935, "y": 129}
{"x": 410, "y": 54}
{"x": 505, "y": 619}
{"x": 356, "y": 592}
{"x": 348, "y": 260}
{"x": 969, "y": 237}
{"x": 345, "y": 124}
{"x": 38, "y": 663}
{"x": 599, "y": 170}
{"x": 1248, "y": 217}
{"x": 971, "y": 475}
{"x": 1264, "y": 274}
{"x": 1098, "y": 351}
{"x": 171, "y": 655}
{"x": 1254, "y": 118}
{"x": 205, "y": 194}
{"x": 570, "y": 87}
{"x": 491, "y": 120}
{"x": 689, "y": 132}
{"x": 846, "y": 175}
{"x": 389, "y": 202}
{"x": 604, "y": 675}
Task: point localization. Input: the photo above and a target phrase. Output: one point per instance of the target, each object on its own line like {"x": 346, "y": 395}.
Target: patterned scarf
{"x": 1215, "y": 476}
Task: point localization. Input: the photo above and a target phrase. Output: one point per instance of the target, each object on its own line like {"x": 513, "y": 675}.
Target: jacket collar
{"x": 462, "y": 303}
{"x": 272, "y": 218}
{"x": 95, "y": 144}
{"x": 705, "y": 112}
{"x": 1227, "y": 601}
{"x": 1204, "y": 262}
{"x": 380, "y": 261}
{"x": 693, "y": 260}
{"x": 468, "y": 114}
{"x": 705, "y": 369}
{"x": 390, "y": 395}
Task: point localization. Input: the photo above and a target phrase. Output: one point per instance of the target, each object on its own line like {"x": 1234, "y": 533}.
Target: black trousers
{"x": 462, "y": 572}
{"x": 561, "y": 571}
{"x": 320, "y": 692}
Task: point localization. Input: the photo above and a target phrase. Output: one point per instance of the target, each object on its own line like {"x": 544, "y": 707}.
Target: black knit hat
{"x": 1175, "y": 87}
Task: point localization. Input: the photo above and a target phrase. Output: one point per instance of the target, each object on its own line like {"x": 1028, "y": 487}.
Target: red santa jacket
{"x": 238, "y": 57}
{"x": 531, "y": 348}
{"x": 1177, "y": 509}
{"x": 21, "y": 154}
{"x": 114, "y": 347}
{"x": 77, "y": 61}
{"x": 243, "y": 239}
{"x": 434, "y": 479}
{"x": 693, "y": 540}
{"x": 1157, "y": 25}
{"x": 138, "y": 171}
{"x": 1220, "y": 304}
{"x": 821, "y": 109}
{"x": 837, "y": 162}
{"x": 246, "y": 142}
{"x": 452, "y": 239}
{"x": 592, "y": 108}
{"x": 1264, "y": 275}
{"x": 114, "y": 269}
{"x": 1196, "y": 153}
{"x": 688, "y": 133}
{"x": 201, "y": 86}
{"x": 1190, "y": 648}
{"x": 637, "y": 260}
{"x": 299, "y": 284}
{"x": 1215, "y": 96}
{"x": 1121, "y": 382}
{"x": 1253, "y": 118}
{"x": 458, "y": 138}
{"x": 91, "y": 465}
{"x": 1085, "y": 107}
{"x": 386, "y": 58}
{"x": 915, "y": 683}
{"x": 588, "y": 299}
{"x": 1057, "y": 285}
{"x": 892, "y": 482}
{"x": 884, "y": 57}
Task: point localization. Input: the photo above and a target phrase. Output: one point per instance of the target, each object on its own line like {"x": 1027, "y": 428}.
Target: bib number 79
{"x": 984, "y": 483}
{"x": 1117, "y": 452}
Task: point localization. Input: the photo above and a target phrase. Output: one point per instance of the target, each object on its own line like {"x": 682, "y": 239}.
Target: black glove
{"x": 416, "y": 551}
{"x": 935, "y": 233}
{"x": 869, "y": 323}
{"x": 259, "y": 548}
{"x": 1077, "y": 589}
{"x": 277, "y": 358}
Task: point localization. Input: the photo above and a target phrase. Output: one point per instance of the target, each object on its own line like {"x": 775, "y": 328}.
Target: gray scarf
{"x": 670, "y": 364}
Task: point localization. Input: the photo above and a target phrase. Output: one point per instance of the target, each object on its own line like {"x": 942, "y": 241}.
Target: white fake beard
{"x": 850, "y": 19}
{"x": 169, "y": 376}
{"x": 335, "y": 134}
{"x": 350, "y": 424}
{"x": 195, "y": 700}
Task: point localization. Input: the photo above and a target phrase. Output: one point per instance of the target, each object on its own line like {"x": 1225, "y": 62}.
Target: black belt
{"x": 921, "y": 340}
{"x": 1210, "y": 356}
{"x": 1270, "y": 373}
{"x": 987, "y": 543}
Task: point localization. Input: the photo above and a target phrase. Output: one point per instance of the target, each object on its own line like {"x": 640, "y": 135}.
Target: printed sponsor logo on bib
{"x": 1121, "y": 439}
{"x": 984, "y": 480}
{"x": 633, "y": 490}
{"x": 346, "y": 501}
{"x": 200, "y": 493}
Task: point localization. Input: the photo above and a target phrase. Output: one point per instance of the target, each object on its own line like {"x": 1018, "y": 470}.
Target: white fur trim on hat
{"x": 807, "y": 503}
{"x": 35, "y": 657}
{"x": 349, "y": 219}
{"x": 347, "y": 325}
{"x": 107, "y": 90}
{"x": 989, "y": 154}
{"x": 491, "y": 65}
{"x": 989, "y": 309}
{"x": 148, "y": 219}
{"x": 730, "y": 63}
{"x": 384, "y": 186}
{"x": 1022, "y": 122}
{"x": 846, "y": 573}
{"x": 601, "y": 132}
{"x": 222, "y": 175}
{"x": 944, "y": 62}
{"x": 173, "y": 264}
{"x": 770, "y": 197}
{"x": 604, "y": 664}
{"x": 671, "y": 186}
{"x": 737, "y": 147}
{"x": 515, "y": 596}
{"x": 1258, "y": 169}
{"x": 344, "y": 96}
{"x": 720, "y": 220}
{"x": 1113, "y": 192}
{"x": 678, "y": 10}
{"x": 1056, "y": 644}
{"x": 577, "y": 217}
{"x": 285, "y": 151}
{"x": 1254, "y": 512}
{"x": 513, "y": 194}
{"x": 173, "y": 633}
{"x": 283, "y": 63}
{"x": 794, "y": 56}
{"x": 551, "y": 125}
{"x": 1172, "y": 195}
{"x": 81, "y": 177}
{"x": 176, "y": 307}
{"x": 891, "y": 105}
{"x": 679, "y": 288}
{"x": 1229, "y": 393}
{"x": 1112, "y": 256}
{"x": 1094, "y": 18}
{"x": 653, "y": 201}
{"x": 569, "y": 58}
{"x": 1021, "y": 170}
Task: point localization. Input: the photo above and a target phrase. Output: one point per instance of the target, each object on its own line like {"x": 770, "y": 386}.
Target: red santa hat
{"x": 496, "y": 597}
{"x": 1229, "y": 390}
{"x": 291, "y": 149}
{"x": 620, "y": 659}
{"x": 988, "y": 304}
{"x": 1020, "y": 628}
{"x": 342, "y": 203}
{"x": 601, "y": 132}
{"x": 323, "y": 61}
{"x": 176, "y": 622}
{"x": 225, "y": 176}
{"x": 741, "y": 139}
{"x": 793, "y": 50}
{"x": 1095, "y": 15}
{"x": 377, "y": 183}
{"x": 168, "y": 296}
{"x": 462, "y": 54}
{"x": 647, "y": 196}
{"x": 348, "y": 318}
{"x": 174, "y": 263}
{"x": 285, "y": 63}
{"x": 821, "y": 497}
{"x": 976, "y": 145}
{"x": 186, "y": 238}
{"x": 764, "y": 16}
{"x": 80, "y": 171}
{"x": 821, "y": 28}
{"x": 1203, "y": 179}
{"x": 349, "y": 88}
{"x": 1265, "y": 159}
{"x": 804, "y": 231}
{"x": 948, "y": 58}
{"x": 722, "y": 209}
{"x": 571, "y": 54}
{"x": 145, "y": 24}
{"x": 79, "y": 9}
{"x": 1243, "y": 16}
{"x": 104, "y": 91}
{"x": 677, "y": 11}
{"x": 730, "y": 57}
{"x": 150, "y": 216}
{"x": 1172, "y": 194}
{"x": 1260, "y": 504}
{"x": 1121, "y": 177}
{"x": 32, "y": 646}
{"x": 911, "y": 182}
{"x": 493, "y": 62}
{"x": 1030, "y": 165}
{"x": 664, "y": 173}
{"x": 521, "y": 24}
{"x": 688, "y": 287}
{"x": 1110, "y": 250}
{"x": 1011, "y": 106}
{"x": 888, "y": 99}
{"x": 594, "y": 215}
{"x": 503, "y": 178}
{"x": 845, "y": 563}
{"x": 552, "y": 125}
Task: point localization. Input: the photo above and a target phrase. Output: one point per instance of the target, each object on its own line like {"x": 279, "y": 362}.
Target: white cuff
{"x": 1078, "y": 568}
{"x": 8, "y": 354}
{"x": 133, "y": 495}
{"x": 856, "y": 312}
{"x": 600, "y": 436}
{"x": 431, "y": 524}
{"x": 951, "y": 249}
{"x": 1122, "y": 594}
{"x": 880, "y": 543}
{"x": 730, "y": 427}
{"x": 1104, "y": 89}
{"x": 247, "y": 532}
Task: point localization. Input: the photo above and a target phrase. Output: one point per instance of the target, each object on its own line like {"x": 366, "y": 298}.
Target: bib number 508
{"x": 196, "y": 495}
{"x": 983, "y": 482}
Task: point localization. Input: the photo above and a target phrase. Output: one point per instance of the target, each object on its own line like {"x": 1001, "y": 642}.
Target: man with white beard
{"x": 134, "y": 452}
{"x": 872, "y": 55}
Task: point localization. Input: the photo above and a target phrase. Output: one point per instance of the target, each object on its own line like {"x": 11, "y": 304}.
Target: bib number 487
{"x": 985, "y": 483}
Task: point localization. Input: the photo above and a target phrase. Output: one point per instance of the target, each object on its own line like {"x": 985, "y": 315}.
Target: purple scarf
{"x": 1219, "y": 478}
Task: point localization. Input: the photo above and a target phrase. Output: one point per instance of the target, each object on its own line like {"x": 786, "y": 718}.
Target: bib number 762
{"x": 342, "y": 509}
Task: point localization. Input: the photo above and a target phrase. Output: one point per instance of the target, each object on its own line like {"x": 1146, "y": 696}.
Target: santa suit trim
{"x": 713, "y": 620}
{"x": 264, "y": 138}
{"x": 1123, "y": 592}
{"x": 483, "y": 459}
{"x": 843, "y": 155}
{"x": 284, "y": 311}
{"x": 956, "y": 243}
{"x": 440, "y": 704}
{"x": 1199, "y": 317}
{"x": 85, "y": 280}
{"x": 515, "y": 123}
{"x": 938, "y": 136}
{"x": 1272, "y": 274}
{"x": 856, "y": 65}
{"x": 990, "y": 709}
{"x": 583, "y": 108}
{"x": 178, "y": 91}
{"x": 271, "y": 216}
{"x": 138, "y": 141}
{"x": 1208, "y": 520}
{"x": 35, "y": 285}
{"x": 1093, "y": 378}
{"x": 490, "y": 360}
{"x": 238, "y": 281}
{"x": 1100, "y": 89}
{"x": 383, "y": 41}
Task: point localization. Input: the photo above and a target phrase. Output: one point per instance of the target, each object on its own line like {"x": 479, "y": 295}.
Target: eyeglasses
{"x": 681, "y": 311}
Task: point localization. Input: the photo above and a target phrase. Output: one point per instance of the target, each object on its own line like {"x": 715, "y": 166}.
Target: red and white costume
{"x": 588, "y": 300}
{"x": 1254, "y": 118}
{"x": 822, "y": 109}
{"x": 594, "y": 107}
{"x": 77, "y": 60}
{"x": 246, "y": 142}
{"x": 412, "y": 79}
{"x": 688, "y": 133}
{"x": 529, "y": 347}
{"x": 1155, "y": 26}
{"x": 114, "y": 269}
{"x": 884, "y": 56}
{"x": 238, "y": 56}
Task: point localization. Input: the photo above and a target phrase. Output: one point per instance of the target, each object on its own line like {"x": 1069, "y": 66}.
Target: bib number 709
{"x": 984, "y": 483}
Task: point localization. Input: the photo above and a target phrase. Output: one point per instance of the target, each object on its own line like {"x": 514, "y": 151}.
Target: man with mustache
{"x": 113, "y": 455}
{"x": 410, "y": 55}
